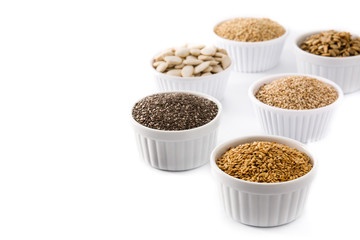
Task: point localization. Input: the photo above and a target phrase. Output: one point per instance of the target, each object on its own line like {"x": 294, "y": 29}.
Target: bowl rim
{"x": 278, "y": 139}
{"x": 254, "y": 87}
{"x": 192, "y": 79}
{"x": 178, "y": 132}
{"x": 249, "y": 44}
{"x": 301, "y": 37}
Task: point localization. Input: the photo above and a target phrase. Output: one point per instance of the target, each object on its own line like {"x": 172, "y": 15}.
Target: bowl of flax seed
{"x": 297, "y": 106}
{"x": 176, "y": 131}
{"x": 254, "y": 44}
{"x": 264, "y": 180}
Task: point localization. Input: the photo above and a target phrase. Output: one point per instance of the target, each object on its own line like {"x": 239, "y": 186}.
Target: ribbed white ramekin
{"x": 302, "y": 125}
{"x": 178, "y": 150}
{"x": 262, "y": 204}
{"x": 253, "y": 57}
{"x": 213, "y": 85}
{"x": 345, "y": 71}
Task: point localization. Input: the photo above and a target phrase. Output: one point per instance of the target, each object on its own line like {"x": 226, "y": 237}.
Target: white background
{"x": 70, "y": 71}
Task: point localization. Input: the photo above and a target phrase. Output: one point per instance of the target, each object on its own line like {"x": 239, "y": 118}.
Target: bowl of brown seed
{"x": 197, "y": 68}
{"x": 297, "y": 106}
{"x": 264, "y": 180}
{"x": 176, "y": 131}
{"x": 332, "y": 54}
{"x": 254, "y": 44}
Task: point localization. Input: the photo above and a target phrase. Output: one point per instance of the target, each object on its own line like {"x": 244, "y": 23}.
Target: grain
{"x": 249, "y": 29}
{"x": 297, "y": 92}
{"x": 264, "y": 162}
{"x": 174, "y": 111}
{"x": 197, "y": 57}
{"x": 332, "y": 44}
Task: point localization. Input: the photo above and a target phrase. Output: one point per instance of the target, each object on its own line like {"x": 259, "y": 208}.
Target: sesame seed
{"x": 297, "y": 92}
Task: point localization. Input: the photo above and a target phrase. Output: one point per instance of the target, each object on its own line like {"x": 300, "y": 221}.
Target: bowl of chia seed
{"x": 298, "y": 106}
{"x": 176, "y": 131}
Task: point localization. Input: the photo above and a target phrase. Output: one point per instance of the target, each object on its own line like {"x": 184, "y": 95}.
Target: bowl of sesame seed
{"x": 332, "y": 54}
{"x": 264, "y": 180}
{"x": 176, "y": 131}
{"x": 254, "y": 44}
{"x": 297, "y": 106}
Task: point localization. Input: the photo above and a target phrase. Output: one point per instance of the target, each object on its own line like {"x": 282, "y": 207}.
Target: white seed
{"x": 221, "y": 50}
{"x": 208, "y": 69}
{"x": 212, "y": 63}
{"x": 174, "y": 72}
{"x": 162, "y": 55}
{"x": 225, "y": 62}
{"x": 201, "y": 67}
{"x": 187, "y": 71}
{"x": 198, "y": 46}
{"x": 191, "y": 57}
{"x": 219, "y": 54}
{"x": 179, "y": 66}
{"x": 173, "y": 60}
{"x": 182, "y": 52}
{"x": 155, "y": 64}
{"x": 206, "y": 74}
{"x": 195, "y": 52}
{"x": 205, "y": 58}
{"x": 162, "y": 67}
{"x": 192, "y": 61}
{"x": 216, "y": 69}
{"x": 209, "y": 51}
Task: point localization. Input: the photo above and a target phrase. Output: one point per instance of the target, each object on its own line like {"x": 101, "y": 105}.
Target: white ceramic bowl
{"x": 345, "y": 71}
{"x": 302, "y": 125}
{"x": 262, "y": 204}
{"x": 178, "y": 150}
{"x": 213, "y": 85}
{"x": 253, "y": 57}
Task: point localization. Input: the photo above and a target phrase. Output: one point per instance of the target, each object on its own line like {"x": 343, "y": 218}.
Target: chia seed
{"x": 174, "y": 111}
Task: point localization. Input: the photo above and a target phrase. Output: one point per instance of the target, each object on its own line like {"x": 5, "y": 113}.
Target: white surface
{"x": 69, "y": 167}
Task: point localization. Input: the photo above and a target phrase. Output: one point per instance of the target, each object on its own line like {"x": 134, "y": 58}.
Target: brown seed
{"x": 331, "y": 43}
{"x": 267, "y": 162}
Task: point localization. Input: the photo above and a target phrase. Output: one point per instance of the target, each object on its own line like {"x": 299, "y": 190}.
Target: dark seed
{"x": 174, "y": 111}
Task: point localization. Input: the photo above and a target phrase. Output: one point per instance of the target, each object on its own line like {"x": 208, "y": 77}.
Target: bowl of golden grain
{"x": 254, "y": 44}
{"x": 264, "y": 180}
